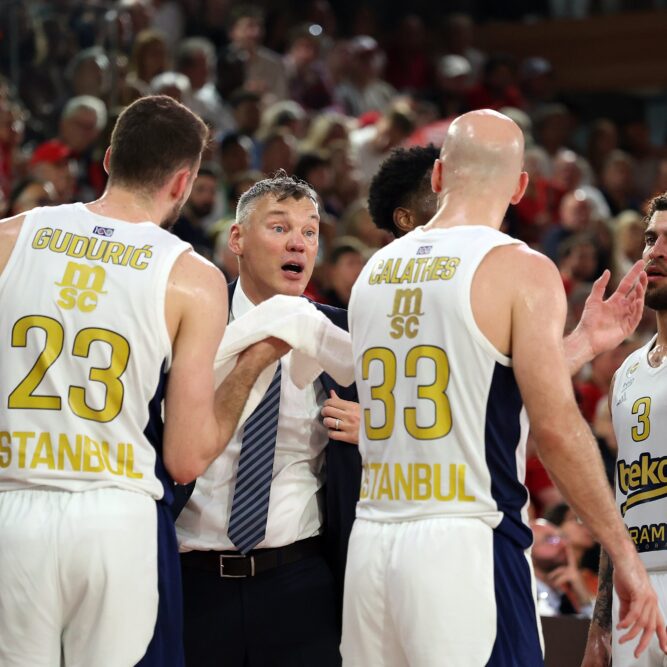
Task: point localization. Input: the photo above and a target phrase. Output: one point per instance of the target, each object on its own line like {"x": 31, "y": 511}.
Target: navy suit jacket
{"x": 343, "y": 472}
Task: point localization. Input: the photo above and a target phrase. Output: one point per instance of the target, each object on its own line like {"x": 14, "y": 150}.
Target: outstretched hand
{"x": 605, "y": 324}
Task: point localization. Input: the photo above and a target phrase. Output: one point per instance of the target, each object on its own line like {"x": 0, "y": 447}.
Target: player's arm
{"x": 598, "y": 646}
{"x": 564, "y": 440}
{"x": 200, "y": 421}
{"x": 605, "y": 324}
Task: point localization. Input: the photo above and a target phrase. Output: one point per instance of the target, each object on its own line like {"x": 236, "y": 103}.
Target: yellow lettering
{"x": 422, "y": 481}
{"x": 658, "y": 532}
{"x": 135, "y": 262}
{"x": 375, "y": 467}
{"x": 385, "y": 483}
{"x": 437, "y": 484}
{"x": 41, "y": 238}
{"x": 128, "y": 450}
{"x": 406, "y": 276}
{"x": 5, "y": 449}
{"x": 74, "y": 457}
{"x": 403, "y": 484}
{"x": 87, "y": 302}
{"x": 643, "y": 535}
{"x": 67, "y": 299}
{"x": 634, "y": 534}
{"x": 43, "y": 453}
{"x": 79, "y": 247}
{"x": 23, "y": 437}
{"x": 363, "y": 493}
{"x": 56, "y": 245}
{"x": 462, "y": 487}
{"x": 91, "y": 450}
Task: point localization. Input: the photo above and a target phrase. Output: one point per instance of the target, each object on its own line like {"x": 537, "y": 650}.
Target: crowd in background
{"x": 329, "y": 105}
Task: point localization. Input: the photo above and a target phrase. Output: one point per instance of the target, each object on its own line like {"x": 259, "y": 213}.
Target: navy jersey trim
{"x": 501, "y": 436}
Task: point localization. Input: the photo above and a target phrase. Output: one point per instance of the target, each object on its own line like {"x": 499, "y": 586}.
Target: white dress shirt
{"x": 295, "y": 511}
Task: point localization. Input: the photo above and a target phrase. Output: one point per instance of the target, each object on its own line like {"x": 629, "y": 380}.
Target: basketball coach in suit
{"x": 264, "y": 534}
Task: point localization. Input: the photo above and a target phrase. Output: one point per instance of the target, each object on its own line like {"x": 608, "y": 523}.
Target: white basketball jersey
{"x": 639, "y": 415}
{"x": 84, "y": 351}
{"x": 443, "y": 427}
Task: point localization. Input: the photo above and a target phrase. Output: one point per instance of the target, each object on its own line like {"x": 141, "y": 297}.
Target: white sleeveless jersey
{"x": 443, "y": 426}
{"x": 639, "y": 415}
{"x": 84, "y": 351}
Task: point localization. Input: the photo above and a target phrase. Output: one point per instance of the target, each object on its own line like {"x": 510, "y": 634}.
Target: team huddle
{"x": 118, "y": 450}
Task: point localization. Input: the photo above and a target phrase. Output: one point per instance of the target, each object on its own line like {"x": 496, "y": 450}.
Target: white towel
{"x": 317, "y": 345}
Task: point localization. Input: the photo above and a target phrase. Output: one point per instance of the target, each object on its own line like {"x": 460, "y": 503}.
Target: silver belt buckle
{"x": 236, "y": 576}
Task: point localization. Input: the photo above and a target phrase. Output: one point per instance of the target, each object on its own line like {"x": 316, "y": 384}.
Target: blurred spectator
{"x": 189, "y": 226}
{"x": 498, "y": 86}
{"x": 362, "y": 89}
{"x": 29, "y": 193}
{"x": 452, "y": 83}
{"x": 617, "y": 183}
{"x": 235, "y": 155}
{"x": 326, "y": 128}
{"x": 197, "y": 60}
{"x": 536, "y": 209}
{"x": 12, "y": 125}
{"x": 173, "y": 84}
{"x": 636, "y": 140}
{"x": 628, "y": 229}
{"x": 578, "y": 260}
{"x": 552, "y": 127}
{"x": 169, "y": 19}
{"x": 52, "y": 162}
{"x": 278, "y": 152}
{"x": 308, "y": 79}
{"x": 580, "y": 539}
{"x": 150, "y": 57}
{"x": 459, "y": 40}
{"x": 560, "y": 586}
{"x": 247, "y": 112}
{"x": 537, "y": 83}
{"x": 285, "y": 115}
{"x": 89, "y": 73}
{"x": 81, "y": 124}
{"x": 372, "y": 144}
{"x": 346, "y": 259}
{"x": 575, "y": 215}
{"x": 408, "y": 56}
{"x": 357, "y": 222}
{"x": 264, "y": 70}
{"x": 602, "y": 140}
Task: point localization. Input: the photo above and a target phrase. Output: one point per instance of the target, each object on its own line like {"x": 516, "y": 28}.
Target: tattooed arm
{"x": 598, "y": 647}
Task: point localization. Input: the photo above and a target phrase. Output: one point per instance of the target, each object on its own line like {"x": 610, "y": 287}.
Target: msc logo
{"x": 406, "y": 313}
{"x": 81, "y": 286}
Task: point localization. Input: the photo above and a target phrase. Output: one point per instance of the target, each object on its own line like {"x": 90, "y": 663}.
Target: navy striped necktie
{"x": 250, "y": 505}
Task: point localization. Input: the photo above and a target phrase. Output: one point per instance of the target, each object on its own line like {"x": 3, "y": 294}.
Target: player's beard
{"x": 170, "y": 219}
{"x": 656, "y": 297}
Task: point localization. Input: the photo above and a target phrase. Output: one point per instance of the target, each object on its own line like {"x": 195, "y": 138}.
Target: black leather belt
{"x": 235, "y": 565}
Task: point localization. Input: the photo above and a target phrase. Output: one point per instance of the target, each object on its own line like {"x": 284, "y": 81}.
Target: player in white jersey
{"x": 637, "y": 401}
{"x": 100, "y": 305}
{"x": 454, "y": 328}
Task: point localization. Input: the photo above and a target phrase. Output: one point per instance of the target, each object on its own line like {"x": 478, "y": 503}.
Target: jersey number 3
{"x": 384, "y": 392}
{"x": 24, "y": 397}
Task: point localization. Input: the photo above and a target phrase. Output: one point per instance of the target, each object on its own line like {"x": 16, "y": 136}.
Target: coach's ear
{"x": 436, "y": 177}
{"x": 235, "y": 241}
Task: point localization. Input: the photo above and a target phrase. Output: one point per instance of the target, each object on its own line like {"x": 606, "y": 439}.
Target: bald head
{"x": 482, "y": 148}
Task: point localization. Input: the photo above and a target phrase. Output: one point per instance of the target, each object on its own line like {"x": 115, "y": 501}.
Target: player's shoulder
{"x": 518, "y": 261}
{"x": 193, "y": 273}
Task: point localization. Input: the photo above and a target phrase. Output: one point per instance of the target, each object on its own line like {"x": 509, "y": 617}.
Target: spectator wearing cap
{"x": 81, "y": 124}
{"x": 452, "y": 83}
{"x": 264, "y": 69}
{"x": 308, "y": 79}
{"x": 52, "y": 162}
{"x": 363, "y": 90}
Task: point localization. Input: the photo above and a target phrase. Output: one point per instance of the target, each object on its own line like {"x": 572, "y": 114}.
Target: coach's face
{"x": 276, "y": 246}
